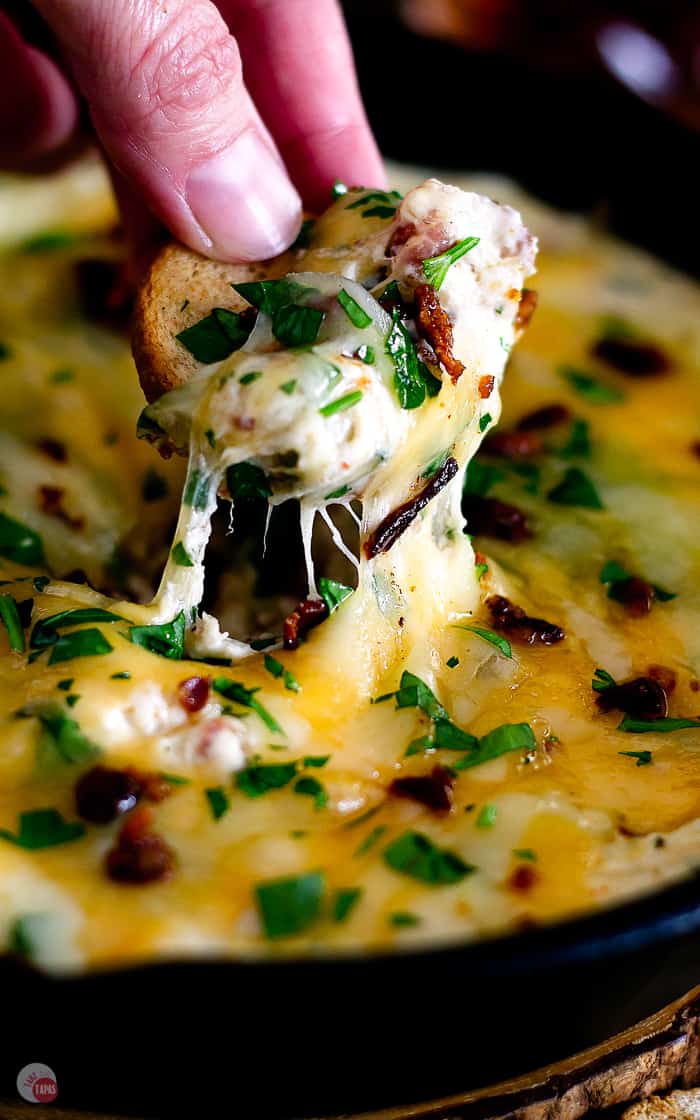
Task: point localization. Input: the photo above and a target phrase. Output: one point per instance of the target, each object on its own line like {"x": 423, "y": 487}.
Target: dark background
{"x": 522, "y": 89}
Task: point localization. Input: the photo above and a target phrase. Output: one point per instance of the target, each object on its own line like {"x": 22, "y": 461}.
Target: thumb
{"x": 164, "y": 85}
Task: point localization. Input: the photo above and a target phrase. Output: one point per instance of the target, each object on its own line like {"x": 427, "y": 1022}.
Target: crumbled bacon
{"x": 665, "y": 676}
{"x": 51, "y": 503}
{"x": 103, "y": 794}
{"x": 643, "y": 698}
{"x": 523, "y": 877}
{"x": 244, "y": 423}
{"x": 546, "y": 417}
{"x": 303, "y": 618}
{"x": 491, "y": 517}
{"x": 433, "y": 324}
{"x": 193, "y": 693}
{"x": 139, "y": 855}
{"x": 395, "y": 523}
{"x": 514, "y": 444}
{"x": 635, "y": 359}
{"x": 154, "y": 787}
{"x": 53, "y": 448}
{"x": 526, "y": 309}
{"x": 486, "y": 385}
{"x": 399, "y": 237}
{"x": 636, "y": 595}
{"x": 433, "y": 790}
{"x": 513, "y": 621}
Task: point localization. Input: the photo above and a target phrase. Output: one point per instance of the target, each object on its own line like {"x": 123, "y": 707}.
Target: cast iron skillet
{"x": 275, "y": 1040}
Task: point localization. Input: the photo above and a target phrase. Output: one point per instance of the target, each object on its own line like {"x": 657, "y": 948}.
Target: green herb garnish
{"x": 9, "y": 616}
{"x": 311, "y": 787}
{"x": 45, "y": 633}
{"x": 575, "y": 489}
{"x": 591, "y": 388}
{"x": 508, "y": 737}
{"x": 487, "y": 817}
{"x": 249, "y": 378}
{"x": 502, "y": 644}
{"x": 43, "y": 828}
{"x": 403, "y": 919}
{"x": 255, "y": 781}
{"x": 342, "y": 403}
{"x": 412, "y": 378}
{"x": 80, "y": 643}
{"x": 643, "y": 757}
{"x": 578, "y": 445}
{"x": 602, "y": 681}
{"x": 234, "y": 690}
{"x": 289, "y": 906}
{"x": 668, "y": 723}
{"x": 480, "y": 477}
{"x": 181, "y": 556}
{"x": 61, "y": 739}
{"x": 19, "y": 543}
{"x": 288, "y": 387}
{"x": 277, "y": 669}
{"x": 246, "y": 482}
{"x": 525, "y": 853}
{"x": 197, "y": 489}
{"x": 345, "y": 902}
{"x": 370, "y": 839}
{"x": 167, "y": 639}
{"x": 452, "y": 662}
{"x": 216, "y": 336}
{"x": 297, "y": 326}
{"x": 366, "y": 354}
{"x": 415, "y": 855}
{"x": 615, "y": 576}
{"x": 436, "y": 268}
{"x": 356, "y": 314}
{"x": 219, "y": 801}
{"x": 484, "y": 421}
{"x": 332, "y": 592}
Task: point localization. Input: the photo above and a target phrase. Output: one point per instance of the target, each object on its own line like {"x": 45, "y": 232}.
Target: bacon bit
{"x": 523, "y": 878}
{"x": 433, "y": 790}
{"x": 491, "y": 517}
{"x": 303, "y": 618}
{"x": 395, "y": 523}
{"x": 695, "y": 448}
{"x": 513, "y": 293}
{"x": 635, "y": 359}
{"x": 479, "y": 558}
{"x": 399, "y": 238}
{"x": 512, "y": 620}
{"x": 694, "y": 685}
{"x": 643, "y": 698}
{"x": 105, "y": 294}
{"x": 153, "y": 787}
{"x": 244, "y": 423}
{"x": 139, "y": 855}
{"x": 433, "y": 324}
{"x": 665, "y": 676}
{"x": 102, "y": 794}
{"x": 51, "y": 503}
{"x": 486, "y": 384}
{"x": 526, "y": 309}
{"x": 514, "y": 444}
{"x": 546, "y": 417}
{"x": 636, "y": 595}
{"x": 193, "y": 693}
{"x": 54, "y": 449}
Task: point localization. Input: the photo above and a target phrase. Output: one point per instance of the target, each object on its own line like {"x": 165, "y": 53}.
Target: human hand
{"x": 224, "y": 163}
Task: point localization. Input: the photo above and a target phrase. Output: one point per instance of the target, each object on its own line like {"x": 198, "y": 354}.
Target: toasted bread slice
{"x": 180, "y": 288}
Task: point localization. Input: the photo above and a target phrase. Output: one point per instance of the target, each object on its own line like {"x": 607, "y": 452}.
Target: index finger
{"x": 300, "y": 71}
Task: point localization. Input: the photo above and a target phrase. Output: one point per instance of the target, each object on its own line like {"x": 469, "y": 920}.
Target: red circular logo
{"x": 36, "y": 1083}
{"x": 45, "y": 1089}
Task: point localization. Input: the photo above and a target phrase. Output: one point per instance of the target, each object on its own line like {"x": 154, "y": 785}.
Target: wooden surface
{"x": 651, "y": 1057}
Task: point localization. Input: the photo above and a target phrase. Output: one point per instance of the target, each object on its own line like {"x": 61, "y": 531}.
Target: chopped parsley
{"x": 246, "y": 482}
{"x": 501, "y": 740}
{"x": 502, "y": 644}
{"x": 72, "y": 700}
{"x": 578, "y": 445}
{"x": 197, "y": 489}
{"x": 370, "y": 839}
{"x": 311, "y": 787}
{"x": 345, "y": 902}
{"x": 166, "y": 639}
{"x": 528, "y": 854}
{"x": 452, "y": 662}
{"x": 315, "y": 761}
{"x": 80, "y": 643}
{"x": 270, "y": 296}
{"x": 216, "y": 336}
{"x": 21, "y": 936}
{"x": 332, "y": 592}
{"x": 667, "y": 723}
{"x": 643, "y": 757}
{"x": 277, "y": 669}
{"x": 290, "y": 905}
{"x": 342, "y": 403}
{"x": 219, "y": 801}
{"x": 234, "y": 690}
{"x": 413, "y": 380}
{"x": 602, "y": 680}
{"x": 575, "y": 489}
{"x": 436, "y": 268}
{"x": 60, "y": 739}
{"x": 615, "y": 576}
{"x": 366, "y": 354}
{"x": 414, "y": 854}
{"x": 19, "y": 543}
{"x": 65, "y": 685}
{"x": 487, "y": 817}
{"x": 297, "y": 326}
{"x": 43, "y": 828}
{"x": 257, "y": 780}
{"x": 45, "y": 633}
{"x": 9, "y": 616}
{"x": 249, "y": 378}
{"x": 125, "y": 675}
{"x": 181, "y": 556}
{"x": 288, "y": 387}
{"x": 591, "y": 388}
{"x": 39, "y": 583}
{"x": 484, "y": 421}
{"x": 339, "y": 493}
{"x": 403, "y": 919}
{"x": 385, "y": 204}
{"x": 415, "y": 693}
{"x": 62, "y": 376}
{"x": 356, "y": 314}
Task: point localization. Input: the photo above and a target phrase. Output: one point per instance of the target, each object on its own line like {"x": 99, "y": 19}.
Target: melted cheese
{"x": 564, "y": 802}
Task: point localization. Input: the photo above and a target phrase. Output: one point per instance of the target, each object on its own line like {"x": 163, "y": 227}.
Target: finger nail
{"x": 244, "y": 202}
